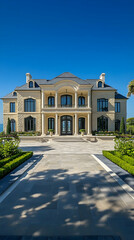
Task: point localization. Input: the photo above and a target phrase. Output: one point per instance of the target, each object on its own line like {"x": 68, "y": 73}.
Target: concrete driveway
{"x": 67, "y": 193}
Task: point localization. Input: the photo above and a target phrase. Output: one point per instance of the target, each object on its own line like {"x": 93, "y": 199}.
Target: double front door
{"x": 66, "y": 125}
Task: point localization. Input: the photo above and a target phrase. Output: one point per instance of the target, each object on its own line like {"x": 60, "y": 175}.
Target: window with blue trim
{"x": 12, "y": 106}
{"x": 99, "y": 84}
{"x": 29, "y": 105}
{"x": 102, "y": 105}
{"x": 30, "y": 84}
{"x": 117, "y": 107}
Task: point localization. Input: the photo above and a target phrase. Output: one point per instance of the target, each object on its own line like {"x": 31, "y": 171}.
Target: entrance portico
{"x": 67, "y": 123}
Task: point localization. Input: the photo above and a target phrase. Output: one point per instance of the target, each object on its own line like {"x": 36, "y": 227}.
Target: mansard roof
{"x": 119, "y": 96}
{"x": 66, "y": 76}
{"x": 63, "y": 76}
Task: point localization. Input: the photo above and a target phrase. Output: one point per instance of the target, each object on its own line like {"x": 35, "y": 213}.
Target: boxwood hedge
{"x": 126, "y": 165}
{"x": 8, "y": 167}
{"x": 8, "y": 159}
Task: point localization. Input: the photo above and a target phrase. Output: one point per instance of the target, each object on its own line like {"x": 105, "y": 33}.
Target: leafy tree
{"x": 130, "y": 88}
{"x": 122, "y": 126}
{"x": 8, "y": 126}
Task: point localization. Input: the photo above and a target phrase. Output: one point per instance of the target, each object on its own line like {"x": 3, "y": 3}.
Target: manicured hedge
{"x": 8, "y": 167}
{"x": 126, "y": 158}
{"x": 120, "y": 162}
{"x": 6, "y": 160}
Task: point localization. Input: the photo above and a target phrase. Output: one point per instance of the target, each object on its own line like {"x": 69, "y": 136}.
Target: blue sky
{"x": 85, "y": 37}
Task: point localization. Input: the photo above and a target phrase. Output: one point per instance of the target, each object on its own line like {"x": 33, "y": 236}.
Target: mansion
{"x": 65, "y": 104}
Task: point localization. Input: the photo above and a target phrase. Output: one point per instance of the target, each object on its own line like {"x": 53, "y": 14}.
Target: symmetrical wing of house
{"x": 65, "y": 104}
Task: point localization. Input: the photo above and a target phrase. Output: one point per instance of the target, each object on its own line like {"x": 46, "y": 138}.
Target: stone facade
{"x": 67, "y": 115}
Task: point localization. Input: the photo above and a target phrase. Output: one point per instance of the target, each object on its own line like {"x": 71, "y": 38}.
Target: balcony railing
{"x": 82, "y": 105}
{"x": 49, "y": 106}
{"x": 65, "y": 106}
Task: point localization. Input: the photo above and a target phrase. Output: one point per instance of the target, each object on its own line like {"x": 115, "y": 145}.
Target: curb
{"x": 17, "y": 180}
{"x": 124, "y": 185}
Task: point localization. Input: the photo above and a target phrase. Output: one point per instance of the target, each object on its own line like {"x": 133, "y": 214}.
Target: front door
{"x": 66, "y": 125}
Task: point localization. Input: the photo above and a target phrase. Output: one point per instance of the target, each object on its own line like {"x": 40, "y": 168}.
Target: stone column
{"x": 43, "y": 124}
{"x": 76, "y": 99}
{"x": 56, "y": 99}
{"x": 89, "y": 99}
{"x": 76, "y": 124}
{"x": 43, "y": 99}
{"x": 89, "y": 124}
{"x": 56, "y": 124}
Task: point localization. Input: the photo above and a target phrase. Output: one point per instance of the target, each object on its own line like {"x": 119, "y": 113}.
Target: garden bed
{"x": 10, "y": 163}
{"x": 124, "y": 161}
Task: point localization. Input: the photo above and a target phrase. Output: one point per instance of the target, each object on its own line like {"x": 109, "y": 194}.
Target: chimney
{"x": 102, "y": 77}
{"x": 28, "y": 77}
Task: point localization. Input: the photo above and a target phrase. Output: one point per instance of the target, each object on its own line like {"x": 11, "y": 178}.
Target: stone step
{"x": 68, "y": 139}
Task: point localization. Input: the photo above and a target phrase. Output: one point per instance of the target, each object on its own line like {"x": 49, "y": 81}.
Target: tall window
{"x": 102, "y": 123}
{"x": 117, "y": 107}
{"x": 12, "y": 125}
{"x": 99, "y": 84}
{"x": 117, "y": 125}
{"x": 50, "y": 101}
{"x": 31, "y": 84}
{"x": 51, "y": 123}
{"x": 29, "y": 105}
{"x": 81, "y": 101}
{"x": 12, "y": 106}
{"x": 102, "y": 105}
{"x": 30, "y": 124}
{"x": 81, "y": 123}
{"x": 66, "y": 101}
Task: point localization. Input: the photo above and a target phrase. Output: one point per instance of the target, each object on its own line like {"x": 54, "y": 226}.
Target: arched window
{"x": 81, "y": 101}
{"x": 31, "y": 84}
{"x": 14, "y": 93}
{"x": 102, "y": 123}
{"x": 117, "y": 125}
{"x": 30, "y": 124}
{"x": 13, "y": 125}
{"x": 81, "y": 123}
{"x": 66, "y": 101}
{"x": 99, "y": 84}
{"x": 50, "y": 101}
{"x": 29, "y": 105}
{"x": 51, "y": 124}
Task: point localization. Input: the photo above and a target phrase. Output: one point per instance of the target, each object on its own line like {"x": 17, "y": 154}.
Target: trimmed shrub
{"x": 6, "y": 160}
{"x": 8, "y": 167}
{"x": 126, "y": 166}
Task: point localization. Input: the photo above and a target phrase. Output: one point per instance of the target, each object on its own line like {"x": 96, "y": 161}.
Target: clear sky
{"x": 84, "y": 37}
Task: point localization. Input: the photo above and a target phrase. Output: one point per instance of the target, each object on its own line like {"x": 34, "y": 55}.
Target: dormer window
{"x": 30, "y": 84}
{"x": 14, "y": 93}
{"x": 99, "y": 84}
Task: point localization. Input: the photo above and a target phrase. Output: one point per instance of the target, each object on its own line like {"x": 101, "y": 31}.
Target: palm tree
{"x": 130, "y": 88}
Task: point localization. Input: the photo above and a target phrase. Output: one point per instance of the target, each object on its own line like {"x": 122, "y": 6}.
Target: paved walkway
{"x": 67, "y": 193}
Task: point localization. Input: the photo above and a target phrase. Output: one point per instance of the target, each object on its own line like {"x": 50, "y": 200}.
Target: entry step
{"x": 68, "y": 139}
